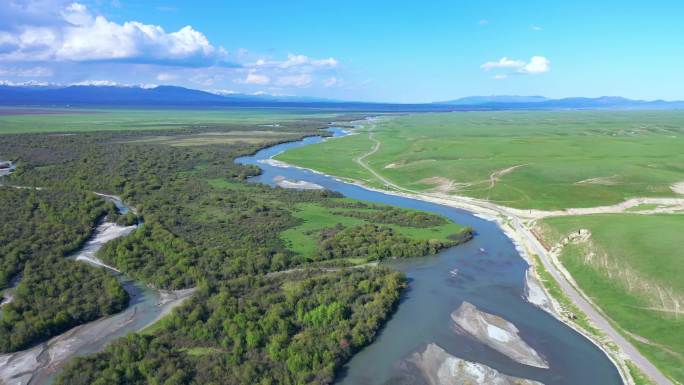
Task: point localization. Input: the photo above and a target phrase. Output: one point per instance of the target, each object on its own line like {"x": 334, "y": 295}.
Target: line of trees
{"x": 374, "y": 243}
{"x": 394, "y": 216}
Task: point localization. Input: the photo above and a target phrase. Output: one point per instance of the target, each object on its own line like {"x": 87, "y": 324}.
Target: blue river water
{"x": 490, "y": 275}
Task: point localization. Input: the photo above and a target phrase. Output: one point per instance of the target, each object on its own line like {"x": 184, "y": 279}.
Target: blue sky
{"x": 356, "y": 50}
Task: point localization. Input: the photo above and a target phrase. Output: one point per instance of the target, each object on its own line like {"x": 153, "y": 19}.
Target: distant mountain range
{"x": 108, "y": 94}
{"x": 111, "y": 95}
{"x": 137, "y": 96}
{"x": 477, "y": 100}
{"x": 540, "y": 102}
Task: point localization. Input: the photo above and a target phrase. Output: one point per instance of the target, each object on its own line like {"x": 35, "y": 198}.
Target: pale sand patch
{"x": 297, "y": 184}
{"x": 497, "y": 333}
{"x": 437, "y": 367}
{"x": 395, "y": 165}
{"x": 601, "y": 180}
{"x": 678, "y": 187}
{"x": 443, "y": 185}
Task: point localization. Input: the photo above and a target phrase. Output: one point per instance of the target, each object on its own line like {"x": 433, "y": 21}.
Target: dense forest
{"x": 374, "y": 243}
{"x": 35, "y": 224}
{"x": 392, "y": 215}
{"x": 54, "y": 295}
{"x": 293, "y": 329}
{"x": 202, "y": 226}
{"x": 38, "y": 228}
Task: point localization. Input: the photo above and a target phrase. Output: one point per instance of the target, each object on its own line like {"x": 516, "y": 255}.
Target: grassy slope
{"x": 650, "y": 245}
{"x": 640, "y": 153}
{"x": 147, "y": 119}
{"x": 316, "y": 217}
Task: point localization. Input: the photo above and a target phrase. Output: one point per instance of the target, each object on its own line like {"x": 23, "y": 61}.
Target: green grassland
{"x": 302, "y": 240}
{"x": 14, "y": 121}
{"x": 635, "y": 276}
{"x": 334, "y": 157}
{"x": 563, "y": 158}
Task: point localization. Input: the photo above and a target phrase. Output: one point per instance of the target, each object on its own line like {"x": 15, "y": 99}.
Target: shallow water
{"x": 492, "y": 280}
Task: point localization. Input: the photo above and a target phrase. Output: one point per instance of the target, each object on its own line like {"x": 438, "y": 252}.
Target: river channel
{"x": 487, "y": 272}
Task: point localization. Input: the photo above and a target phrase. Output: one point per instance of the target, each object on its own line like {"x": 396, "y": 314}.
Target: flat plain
{"x": 27, "y": 120}
{"x": 540, "y": 159}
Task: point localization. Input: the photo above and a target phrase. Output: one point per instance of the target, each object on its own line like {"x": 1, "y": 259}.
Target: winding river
{"x": 487, "y": 272}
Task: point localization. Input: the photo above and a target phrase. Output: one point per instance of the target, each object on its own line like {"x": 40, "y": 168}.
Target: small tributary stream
{"x": 41, "y": 363}
{"x": 487, "y": 272}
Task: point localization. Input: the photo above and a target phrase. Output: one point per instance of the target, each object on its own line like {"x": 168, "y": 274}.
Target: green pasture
{"x": 560, "y": 159}
{"x": 634, "y": 276}
{"x": 13, "y": 120}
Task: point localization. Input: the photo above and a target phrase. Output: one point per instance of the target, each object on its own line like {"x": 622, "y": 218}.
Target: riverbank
{"x": 41, "y": 363}
{"x": 38, "y": 365}
{"x": 490, "y": 274}
{"x": 516, "y": 224}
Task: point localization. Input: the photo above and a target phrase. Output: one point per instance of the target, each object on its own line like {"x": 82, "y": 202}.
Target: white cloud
{"x": 329, "y": 62}
{"x": 223, "y": 92}
{"x": 242, "y": 52}
{"x": 29, "y": 72}
{"x": 33, "y": 83}
{"x": 536, "y": 65}
{"x": 301, "y": 80}
{"x": 96, "y": 83}
{"x": 536, "y": 28}
{"x": 83, "y": 36}
{"x": 295, "y": 71}
{"x": 165, "y": 77}
{"x": 504, "y": 62}
{"x": 64, "y": 41}
{"x": 254, "y": 78}
{"x": 483, "y": 22}
{"x": 294, "y": 61}
{"x": 332, "y": 82}
{"x": 499, "y": 76}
